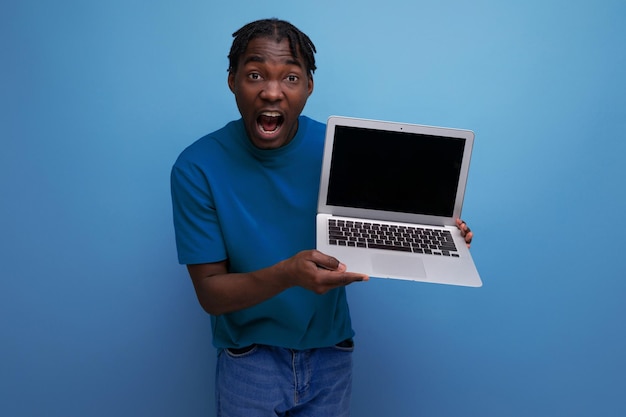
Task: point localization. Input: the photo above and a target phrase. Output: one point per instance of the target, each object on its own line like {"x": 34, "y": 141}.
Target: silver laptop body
{"x": 389, "y": 196}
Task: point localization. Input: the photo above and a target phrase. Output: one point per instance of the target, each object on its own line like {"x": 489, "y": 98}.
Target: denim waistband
{"x": 348, "y": 343}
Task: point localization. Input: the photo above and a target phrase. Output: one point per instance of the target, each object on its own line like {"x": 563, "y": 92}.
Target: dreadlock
{"x": 272, "y": 28}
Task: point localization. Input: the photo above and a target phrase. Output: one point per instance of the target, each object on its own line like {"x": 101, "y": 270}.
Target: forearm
{"x": 220, "y": 292}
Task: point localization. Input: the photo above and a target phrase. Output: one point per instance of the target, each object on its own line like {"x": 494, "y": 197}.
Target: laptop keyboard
{"x": 390, "y": 237}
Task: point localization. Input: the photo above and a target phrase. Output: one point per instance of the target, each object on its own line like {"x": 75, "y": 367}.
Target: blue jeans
{"x": 267, "y": 381}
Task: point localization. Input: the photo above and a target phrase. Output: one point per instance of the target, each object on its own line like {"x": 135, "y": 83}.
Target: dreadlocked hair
{"x": 272, "y": 28}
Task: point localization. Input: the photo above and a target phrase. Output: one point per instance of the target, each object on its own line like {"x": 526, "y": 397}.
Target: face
{"x": 271, "y": 88}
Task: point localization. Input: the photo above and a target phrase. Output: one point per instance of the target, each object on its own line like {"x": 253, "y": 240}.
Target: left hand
{"x": 466, "y": 232}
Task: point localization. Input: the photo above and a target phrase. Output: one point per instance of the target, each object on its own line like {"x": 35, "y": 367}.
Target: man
{"x": 244, "y": 200}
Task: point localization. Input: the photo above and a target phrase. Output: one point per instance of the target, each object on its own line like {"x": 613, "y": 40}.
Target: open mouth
{"x": 270, "y": 122}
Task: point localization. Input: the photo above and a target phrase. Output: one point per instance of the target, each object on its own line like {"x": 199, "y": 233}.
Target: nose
{"x": 272, "y": 90}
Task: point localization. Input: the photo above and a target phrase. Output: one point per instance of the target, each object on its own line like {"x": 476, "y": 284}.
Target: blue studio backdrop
{"x": 98, "y": 98}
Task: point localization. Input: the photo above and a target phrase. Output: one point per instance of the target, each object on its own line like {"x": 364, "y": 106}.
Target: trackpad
{"x": 390, "y": 265}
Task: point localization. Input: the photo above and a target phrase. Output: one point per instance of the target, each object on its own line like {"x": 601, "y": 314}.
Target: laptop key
{"x": 389, "y": 247}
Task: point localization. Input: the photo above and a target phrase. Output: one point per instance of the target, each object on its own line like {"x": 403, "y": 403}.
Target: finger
{"x": 350, "y": 277}
{"x": 342, "y": 277}
{"x": 326, "y": 280}
{"x": 347, "y": 278}
{"x": 463, "y": 227}
{"x": 328, "y": 262}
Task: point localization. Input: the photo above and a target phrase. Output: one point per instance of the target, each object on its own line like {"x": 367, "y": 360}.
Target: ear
{"x": 311, "y": 84}
{"x": 231, "y": 82}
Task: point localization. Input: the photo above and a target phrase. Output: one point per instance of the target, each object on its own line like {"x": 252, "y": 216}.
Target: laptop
{"x": 389, "y": 197}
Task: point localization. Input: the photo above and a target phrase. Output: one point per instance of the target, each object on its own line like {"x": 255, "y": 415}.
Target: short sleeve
{"x": 198, "y": 233}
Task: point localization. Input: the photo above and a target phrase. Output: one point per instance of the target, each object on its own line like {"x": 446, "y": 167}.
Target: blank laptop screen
{"x": 394, "y": 171}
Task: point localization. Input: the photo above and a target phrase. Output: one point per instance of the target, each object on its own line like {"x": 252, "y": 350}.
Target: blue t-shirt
{"x": 256, "y": 208}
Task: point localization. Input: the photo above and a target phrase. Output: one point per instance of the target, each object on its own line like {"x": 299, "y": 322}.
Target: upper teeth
{"x": 271, "y": 114}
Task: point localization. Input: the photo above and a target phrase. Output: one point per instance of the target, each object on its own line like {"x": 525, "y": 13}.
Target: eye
{"x": 254, "y": 76}
{"x": 292, "y": 78}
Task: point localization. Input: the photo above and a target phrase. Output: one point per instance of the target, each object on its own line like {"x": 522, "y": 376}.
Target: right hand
{"x": 318, "y": 272}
